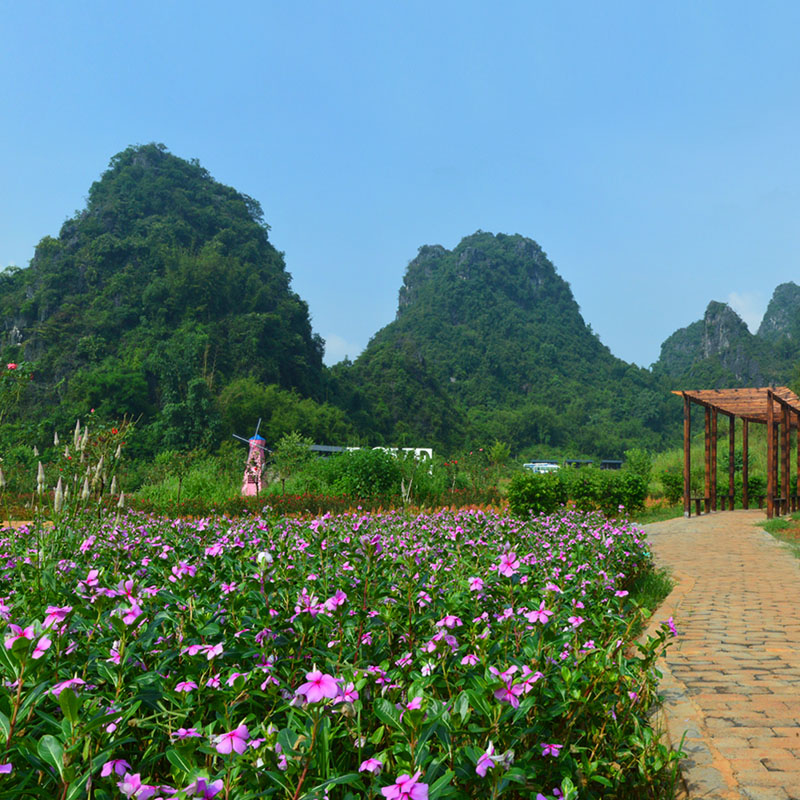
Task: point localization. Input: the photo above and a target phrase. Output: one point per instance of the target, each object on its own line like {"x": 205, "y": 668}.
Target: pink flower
{"x": 233, "y": 740}
{"x": 132, "y": 786}
{"x": 509, "y": 694}
{"x": 12, "y": 365}
{"x": 509, "y": 564}
{"x": 6, "y": 769}
{"x": 550, "y": 749}
{"x": 449, "y": 621}
{"x": 205, "y": 790}
{"x": 18, "y": 633}
{"x": 576, "y": 621}
{"x": 348, "y": 695}
{"x": 540, "y": 614}
{"x": 119, "y": 766}
{"x": 186, "y": 733}
{"x": 72, "y": 683}
{"x": 41, "y": 646}
{"x": 485, "y": 762}
{"x": 670, "y": 623}
{"x": 372, "y": 765}
{"x": 406, "y": 787}
{"x": 185, "y": 686}
{"x": 475, "y": 584}
{"x": 55, "y": 614}
{"x": 470, "y": 660}
{"x": 318, "y": 686}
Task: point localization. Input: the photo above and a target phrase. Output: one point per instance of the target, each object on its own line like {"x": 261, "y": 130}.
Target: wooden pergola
{"x": 776, "y": 407}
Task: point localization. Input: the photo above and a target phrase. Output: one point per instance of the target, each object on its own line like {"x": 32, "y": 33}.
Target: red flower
{"x": 12, "y": 365}
{"x": 114, "y": 431}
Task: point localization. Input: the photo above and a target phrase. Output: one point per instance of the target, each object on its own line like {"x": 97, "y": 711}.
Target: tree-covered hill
{"x": 719, "y": 350}
{"x": 163, "y": 291}
{"x": 497, "y": 332}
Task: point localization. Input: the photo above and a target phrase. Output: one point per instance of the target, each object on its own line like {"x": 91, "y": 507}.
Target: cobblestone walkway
{"x": 732, "y": 678}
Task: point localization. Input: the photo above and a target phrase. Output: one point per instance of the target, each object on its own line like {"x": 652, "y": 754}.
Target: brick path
{"x": 732, "y": 678}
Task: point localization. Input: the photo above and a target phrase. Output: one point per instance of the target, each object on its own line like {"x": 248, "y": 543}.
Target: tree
{"x": 291, "y": 454}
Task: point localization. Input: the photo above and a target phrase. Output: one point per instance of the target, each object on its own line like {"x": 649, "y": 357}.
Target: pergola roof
{"x": 749, "y": 404}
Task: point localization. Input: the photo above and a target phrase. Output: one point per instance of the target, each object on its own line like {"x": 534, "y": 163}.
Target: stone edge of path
{"x": 703, "y": 772}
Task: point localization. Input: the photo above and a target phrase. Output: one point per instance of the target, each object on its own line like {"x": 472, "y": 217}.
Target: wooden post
{"x": 707, "y": 481}
{"x": 745, "y": 465}
{"x": 687, "y": 457}
{"x": 731, "y": 459}
{"x": 713, "y": 459}
{"x": 785, "y": 461}
{"x": 770, "y": 457}
{"x": 797, "y": 468}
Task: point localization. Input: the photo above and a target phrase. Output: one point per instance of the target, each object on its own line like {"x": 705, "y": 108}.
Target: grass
{"x": 649, "y": 590}
{"x": 785, "y": 530}
{"x": 658, "y": 513}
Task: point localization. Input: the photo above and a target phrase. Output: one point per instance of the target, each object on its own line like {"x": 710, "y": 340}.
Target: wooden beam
{"x": 745, "y": 464}
{"x": 687, "y": 457}
{"x": 707, "y": 481}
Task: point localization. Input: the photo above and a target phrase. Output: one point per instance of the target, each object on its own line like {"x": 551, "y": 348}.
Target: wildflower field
{"x": 455, "y": 654}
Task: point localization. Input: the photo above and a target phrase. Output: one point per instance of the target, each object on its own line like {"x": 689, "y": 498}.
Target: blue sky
{"x": 651, "y": 149}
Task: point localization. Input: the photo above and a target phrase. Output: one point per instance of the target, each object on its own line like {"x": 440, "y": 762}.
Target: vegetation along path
{"x": 732, "y": 678}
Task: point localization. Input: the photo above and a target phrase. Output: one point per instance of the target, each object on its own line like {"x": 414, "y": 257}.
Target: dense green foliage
{"x": 152, "y": 301}
{"x": 589, "y": 489}
{"x": 489, "y": 340}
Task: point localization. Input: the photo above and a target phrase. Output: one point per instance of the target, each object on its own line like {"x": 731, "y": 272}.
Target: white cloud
{"x": 750, "y": 306}
{"x": 336, "y": 348}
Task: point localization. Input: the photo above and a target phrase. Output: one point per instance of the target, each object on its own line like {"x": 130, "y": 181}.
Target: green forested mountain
{"x": 163, "y": 292}
{"x": 719, "y": 351}
{"x": 489, "y": 340}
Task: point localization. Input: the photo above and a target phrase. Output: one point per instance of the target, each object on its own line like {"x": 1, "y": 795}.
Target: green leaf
{"x": 438, "y": 788}
{"x": 377, "y": 735}
{"x": 70, "y": 704}
{"x": 5, "y": 725}
{"x": 462, "y": 707}
{"x": 179, "y": 759}
{"x": 387, "y": 713}
{"x": 350, "y": 777}
{"x": 51, "y": 751}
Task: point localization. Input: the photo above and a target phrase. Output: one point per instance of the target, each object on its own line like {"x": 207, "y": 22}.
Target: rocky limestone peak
{"x": 782, "y": 318}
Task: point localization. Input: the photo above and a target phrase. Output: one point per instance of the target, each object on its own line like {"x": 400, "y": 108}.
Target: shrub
{"x": 532, "y": 493}
{"x": 673, "y": 485}
{"x": 365, "y": 472}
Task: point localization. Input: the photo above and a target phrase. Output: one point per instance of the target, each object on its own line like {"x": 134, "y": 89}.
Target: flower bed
{"x": 457, "y": 654}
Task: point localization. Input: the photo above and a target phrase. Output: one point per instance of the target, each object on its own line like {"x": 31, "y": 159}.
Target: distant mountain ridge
{"x": 498, "y": 331}
{"x": 720, "y": 350}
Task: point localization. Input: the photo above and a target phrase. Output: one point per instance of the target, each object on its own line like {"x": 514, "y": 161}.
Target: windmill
{"x": 256, "y": 459}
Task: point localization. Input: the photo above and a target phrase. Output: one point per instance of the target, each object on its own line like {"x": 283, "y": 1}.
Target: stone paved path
{"x": 732, "y": 678}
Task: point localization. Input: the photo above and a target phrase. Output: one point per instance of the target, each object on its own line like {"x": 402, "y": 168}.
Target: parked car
{"x": 542, "y": 466}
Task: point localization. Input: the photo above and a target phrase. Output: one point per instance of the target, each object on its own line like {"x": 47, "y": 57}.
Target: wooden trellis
{"x": 776, "y": 407}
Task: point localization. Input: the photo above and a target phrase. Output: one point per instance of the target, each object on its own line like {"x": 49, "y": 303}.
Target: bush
{"x": 363, "y": 473}
{"x": 533, "y": 493}
{"x": 673, "y": 485}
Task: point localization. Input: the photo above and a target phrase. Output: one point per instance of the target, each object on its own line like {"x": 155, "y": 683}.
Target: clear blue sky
{"x": 653, "y": 150}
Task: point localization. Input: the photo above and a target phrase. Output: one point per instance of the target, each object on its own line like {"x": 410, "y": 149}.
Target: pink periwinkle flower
{"x": 349, "y": 694}
{"x": 541, "y": 614}
{"x": 55, "y": 614}
{"x": 406, "y": 787}
{"x": 118, "y": 766}
{"x": 449, "y": 621}
{"x": 186, "y": 733}
{"x": 372, "y": 765}
{"x": 486, "y": 762}
{"x": 131, "y": 786}
{"x": 470, "y": 660}
{"x": 670, "y": 623}
{"x": 6, "y": 769}
{"x": 509, "y": 564}
{"x": 18, "y": 633}
{"x": 41, "y": 647}
{"x": 185, "y": 686}
{"x": 318, "y": 686}
{"x": 475, "y": 584}
{"x": 205, "y": 790}
{"x": 72, "y": 683}
{"x": 550, "y": 749}
{"x": 232, "y": 740}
